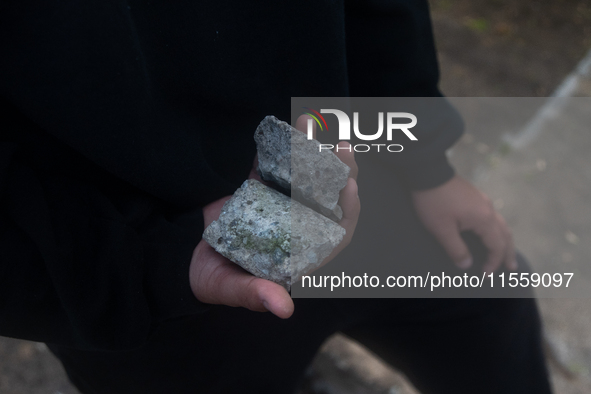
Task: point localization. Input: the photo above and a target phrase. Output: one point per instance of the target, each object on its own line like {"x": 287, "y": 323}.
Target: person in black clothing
{"x": 127, "y": 122}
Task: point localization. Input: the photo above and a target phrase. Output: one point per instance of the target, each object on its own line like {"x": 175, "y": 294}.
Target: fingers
{"x": 302, "y": 125}
{"x": 351, "y": 206}
{"x": 216, "y": 280}
{"x": 458, "y": 206}
{"x": 349, "y": 196}
{"x": 449, "y": 237}
{"x": 496, "y": 244}
{"x": 347, "y": 156}
{"x": 349, "y": 202}
{"x": 275, "y": 298}
{"x": 343, "y": 150}
{"x": 496, "y": 236}
{"x": 509, "y": 258}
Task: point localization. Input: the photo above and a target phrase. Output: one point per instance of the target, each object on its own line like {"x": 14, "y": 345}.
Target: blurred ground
{"x": 509, "y": 47}
{"x": 543, "y": 189}
{"x": 29, "y": 368}
{"x": 519, "y": 48}
{"x": 486, "y": 48}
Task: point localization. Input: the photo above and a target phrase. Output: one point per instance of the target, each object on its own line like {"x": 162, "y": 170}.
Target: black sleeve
{"x": 391, "y": 53}
{"x": 104, "y": 169}
{"x": 86, "y": 259}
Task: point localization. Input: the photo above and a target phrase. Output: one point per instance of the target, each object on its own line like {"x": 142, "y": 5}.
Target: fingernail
{"x": 465, "y": 264}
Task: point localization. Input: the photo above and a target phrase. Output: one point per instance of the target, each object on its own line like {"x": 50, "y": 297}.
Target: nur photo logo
{"x": 390, "y": 119}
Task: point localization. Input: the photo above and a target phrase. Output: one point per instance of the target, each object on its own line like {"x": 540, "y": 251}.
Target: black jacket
{"x": 123, "y": 118}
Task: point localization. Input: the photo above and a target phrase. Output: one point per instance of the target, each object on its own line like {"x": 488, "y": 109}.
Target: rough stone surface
{"x": 272, "y": 236}
{"x": 289, "y": 159}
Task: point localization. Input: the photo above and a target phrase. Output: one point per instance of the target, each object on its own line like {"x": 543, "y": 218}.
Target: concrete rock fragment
{"x": 289, "y": 159}
{"x": 272, "y": 236}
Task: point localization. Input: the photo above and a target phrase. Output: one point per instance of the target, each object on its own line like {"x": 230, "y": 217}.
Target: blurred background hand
{"x": 458, "y": 206}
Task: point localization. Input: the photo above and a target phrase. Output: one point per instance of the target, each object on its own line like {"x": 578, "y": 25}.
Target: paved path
{"x": 543, "y": 188}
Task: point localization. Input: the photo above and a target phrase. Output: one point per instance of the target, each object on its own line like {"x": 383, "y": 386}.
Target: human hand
{"x": 349, "y": 197}
{"x": 216, "y": 280}
{"x": 458, "y": 206}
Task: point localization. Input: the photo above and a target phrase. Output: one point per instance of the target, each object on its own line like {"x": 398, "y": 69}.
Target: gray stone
{"x": 270, "y": 235}
{"x": 289, "y": 159}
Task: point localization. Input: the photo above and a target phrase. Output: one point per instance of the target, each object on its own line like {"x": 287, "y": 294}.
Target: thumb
{"x": 216, "y": 280}
{"x": 302, "y": 125}
{"x": 449, "y": 237}
{"x": 239, "y": 288}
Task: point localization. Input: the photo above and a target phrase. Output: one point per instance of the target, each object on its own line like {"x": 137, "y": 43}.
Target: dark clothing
{"x": 124, "y": 118}
{"x": 455, "y": 346}
{"x": 444, "y": 346}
